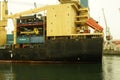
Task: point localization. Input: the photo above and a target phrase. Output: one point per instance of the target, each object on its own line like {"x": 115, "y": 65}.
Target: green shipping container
{"x": 10, "y": 42}
{"x": 84, "y": 3}
{"x": 10, "y": 37}
{"x": 23, "y": 40}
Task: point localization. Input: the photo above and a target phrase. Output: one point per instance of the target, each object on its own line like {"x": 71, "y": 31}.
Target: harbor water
{"x": 108, "y": 70}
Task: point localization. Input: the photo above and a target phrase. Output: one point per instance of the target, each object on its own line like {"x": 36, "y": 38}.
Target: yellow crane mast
{"x": 3, "y": 21}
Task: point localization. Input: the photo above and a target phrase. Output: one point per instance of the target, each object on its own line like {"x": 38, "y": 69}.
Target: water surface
{"x": 108, "y": 70}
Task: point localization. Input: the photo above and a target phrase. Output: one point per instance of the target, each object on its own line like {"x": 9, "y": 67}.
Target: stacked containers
{"x": 31, "y": 39}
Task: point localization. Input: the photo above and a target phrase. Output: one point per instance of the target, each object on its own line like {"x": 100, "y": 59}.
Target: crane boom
{"x": 108, "y": 45}
{"x": 104, "y": 18}
{"x": 35, "y": 10}
{"x": 108, "y": 34}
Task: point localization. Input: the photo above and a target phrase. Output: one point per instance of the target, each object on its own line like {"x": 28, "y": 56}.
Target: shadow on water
{"x": 50, "y": 71}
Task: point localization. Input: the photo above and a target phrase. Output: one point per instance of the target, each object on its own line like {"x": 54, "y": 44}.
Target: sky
{"x": 112, "y": 15}
{"x": 111, "y": 10}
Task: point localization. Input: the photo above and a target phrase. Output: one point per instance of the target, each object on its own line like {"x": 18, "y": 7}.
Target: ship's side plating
{"x": 60, "y": 50}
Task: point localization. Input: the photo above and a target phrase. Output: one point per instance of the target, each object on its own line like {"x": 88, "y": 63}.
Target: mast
{"x": 3, "y": 21}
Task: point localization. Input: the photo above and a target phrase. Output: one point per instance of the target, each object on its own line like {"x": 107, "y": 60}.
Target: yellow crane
{"x": 3, "y": 21}
{"x": 5, "y": 16}
{"x": 74, "y": 18}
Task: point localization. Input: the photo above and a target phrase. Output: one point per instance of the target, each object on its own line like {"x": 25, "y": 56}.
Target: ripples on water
{"x": 108, "y": 70}
{"x": 111, "y": 68}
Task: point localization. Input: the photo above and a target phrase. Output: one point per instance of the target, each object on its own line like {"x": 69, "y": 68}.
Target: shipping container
{"x": 23, "y": 40}
{"x": 10, "y": 37}
{"x": 9, "y": 42}
{"x": 37, "y": 39}
{"x": 84, "y": 3}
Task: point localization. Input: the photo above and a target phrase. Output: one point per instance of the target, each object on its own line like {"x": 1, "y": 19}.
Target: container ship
{"x": 52, "y": 33}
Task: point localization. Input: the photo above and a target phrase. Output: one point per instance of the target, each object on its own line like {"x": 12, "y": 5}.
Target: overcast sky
{"x": 112, "y": 14}
{"x": 111, "y": 9}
